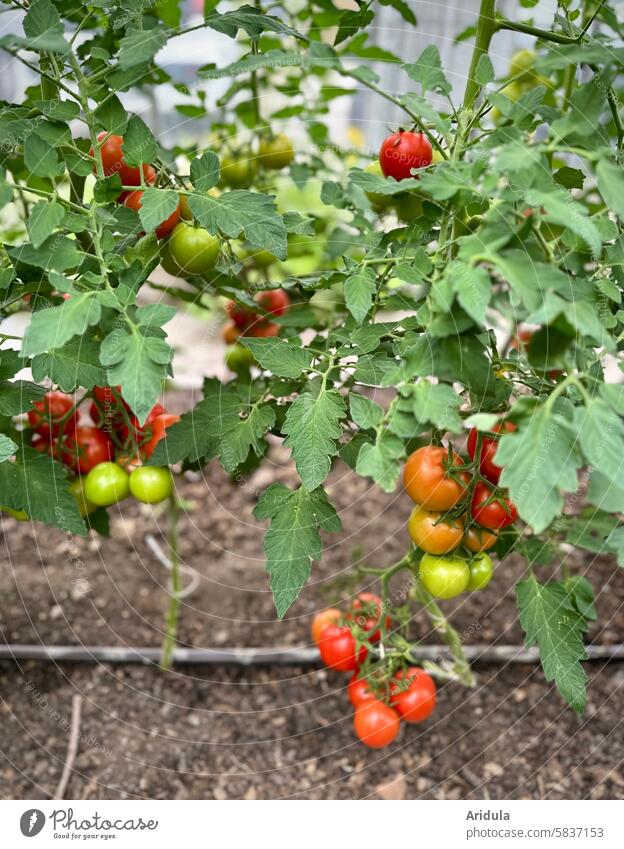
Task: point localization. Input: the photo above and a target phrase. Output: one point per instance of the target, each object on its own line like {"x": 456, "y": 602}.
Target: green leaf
{"x": 41, "y": 158}
{"x": 57, "y": 252}
{"x": 37, "y": 484}
{"x": 402, "y": 8}
{"x": 77, "y": 363}
{"x": 44, "y": 28}
{"x": 437, "y": 403}
{"x": 312, "y": 428}
{"x": 137, "y": 363}
{"x": 364, "y": 412}
{"x": 561, "y": 209}
{"x": 7, "y": 448}
{"x": 293, "y": 541}
{"x": 473, "y": 287}
{"x": 611, "y": 185}
{"x": 246, "y": 434}
{"x": 427, "y": 70}
{"x": 601, "y": 438}
{"x": 139, "y": 144}
{"x": 605, "y": 494}
{"x": 44, "y": 218}
{"x": 278, "y": 356}
{"x": 381, "y": 461}
{"x": 552, "y": 622}
{"x": 18, "y": 396}
{"x": 205, "y": 171}
{"x": 139, "y": 47}
{"x": 540, "y": 462}
{"x": 251, "y": 20}
{"x": 156, "y": 206}
{"x": 359, "y": 290}
{"x": 239, "y": 211}
{"x": 53, "y": 327}
{"x": 484, "y": 72}
{"x": 529, "y": 279}
{"x": 351, "y": 21}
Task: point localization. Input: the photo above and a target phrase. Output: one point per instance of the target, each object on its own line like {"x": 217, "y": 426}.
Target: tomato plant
{"x": 386, "y": 300}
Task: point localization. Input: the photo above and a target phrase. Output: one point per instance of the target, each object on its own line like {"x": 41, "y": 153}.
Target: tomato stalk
{"x": 173, "y": 612}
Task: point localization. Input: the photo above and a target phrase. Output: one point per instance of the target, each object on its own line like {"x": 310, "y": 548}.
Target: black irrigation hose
{"x": 266, "y": 657}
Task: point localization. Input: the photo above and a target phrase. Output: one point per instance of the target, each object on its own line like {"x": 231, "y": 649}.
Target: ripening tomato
{"x": 418, "y": 701}
{"x": 134, "y": 201}
{"x": 321, "y": 620}
{"x": 403, "y": 151}
{"x": 264, "y": 329}
{"x": 273, "y": 302}
{"x": 376, "y": 724}
{"x": 497, "y": 514}
{"x": 193, "y": 249}
{"x": 239, "y": 359}
{"x": 338, "y": 648}
{"x": 53, "y": 414}
{"x": 489, "y": 445}
{"x": 113, "y": 162}
{"x": 428, "y": 481}
{"x": 159, "y": 426}
{"x": 275, "y": 153}
{"x": 106, "y": 484}
{"x": 359, "y": 691}
{"x": 242, "y": 317}
{"x": 151, "y": 484}
{"x": 432, "y": 533}
{"x": 139, "y": 433}
{"x": 444, "y": 577}
{"x": 366, "y": 612}
{"x": 230, "y": 333}
{"x": 478, "y": 539}
{"x": 86, "y": 448}
{"x": 481, "y": 571}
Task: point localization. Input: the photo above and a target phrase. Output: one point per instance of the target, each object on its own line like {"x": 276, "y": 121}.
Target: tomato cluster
{"x": 273, "y": 303}
{"x": 457, "y": 505}
{"x": 381, "y": 698}
{"x": 106, "y": 454}
{"x": 239, "y": 168}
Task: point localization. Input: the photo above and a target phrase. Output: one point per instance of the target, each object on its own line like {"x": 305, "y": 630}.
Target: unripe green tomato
{"x": 522, "y": 63}
{"x": 237, "y": 172}
{"x": 409, "y": 207}
{"x": 151, "y": 484}
{"x": 193, "y": 249}
{"x": 167, "y": 262}
{"x": 481, "y": 570}
{"x": 444, "y": 577}
{"x": 262, "y": 258}
{"x": 378, "y": 201}
{"x": 513, "y": 91}
{"x": 276, "y": 153}
{"x": 106, "y": 484}
{"x": 239, "y": 359}
{"x": 19, "y": 515}
{"x": 85, "y": 507}
{"x": 184, "y": 208}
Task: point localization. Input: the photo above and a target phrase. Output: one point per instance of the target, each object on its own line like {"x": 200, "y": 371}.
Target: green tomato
{"x": 85, "y": 507}
{"x": 193, "y": 249}
{"x": 444, "y": 577}
{"x": 522, "y": 63}
{"x": 237, "y": 173}
{"x": 513, "y": 91}
{"x": 151, "y": 484}
{"x": 239, "y": 359}
{"x": 19, "y": 515}
{"x": 106, "y": 484}
{"x": 276, "y": 153}
{"x": 409, "y": 207}
{"x": 261, "y": 258}
{"x": 378, "y": 201}
{"x": 481, "y": 570}
{"x": 166, "y": 260}
{"x": 184, "y": 208}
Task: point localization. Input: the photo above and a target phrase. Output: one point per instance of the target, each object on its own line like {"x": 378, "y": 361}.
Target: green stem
{"x": 486, "y": 27}
{"x": 544, "y": 34}
{"x": 173, "y": 612}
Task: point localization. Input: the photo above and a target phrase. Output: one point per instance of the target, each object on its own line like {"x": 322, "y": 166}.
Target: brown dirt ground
{"x": 273, "y": 733}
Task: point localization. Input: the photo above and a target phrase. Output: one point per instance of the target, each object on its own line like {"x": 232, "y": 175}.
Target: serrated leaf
{"x": 205, "y": 171}
{"x": 44, "y": 218}
{"x": 156, "y": 206}
{"x": 381, "y": 461}
{"x": 359, "y": 290}
{"x": 278, "y": 356}
{"x": 427, "y": 70}
{"x": 561, "y": 209}
{"x": 17, "y": 396}
{"x": 437, "y": 403}
{"x": 52, "y": 328}
{"x": 611, "y": 185}
{"x": 7, "y": 448}
{"x": 312, "y": 428}
{"x": 57, "y": 252}
{"x": 484, "y": 72}
{"x": 77, "y": 363}
{"x": 540, "y": 463}
{"x": 364, "y": 412}
{"x": 552, "y": 622}
{"x": 41, "y": 158}
{"x": 44, "y": 28}
{"x": 139, "y": 47}
{"x": 139, "y": 145}
{"x": 236, "y": 443}
{"x": 473, "y": 288}
{"x": 251, "y": 20}
{"x": 293, "y": 541}
{"x": 601, "y": 438}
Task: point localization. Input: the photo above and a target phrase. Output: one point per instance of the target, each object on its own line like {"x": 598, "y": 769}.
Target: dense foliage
{"x": 475, "y": 276}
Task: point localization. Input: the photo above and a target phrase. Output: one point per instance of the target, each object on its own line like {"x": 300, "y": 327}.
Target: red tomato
{"x": 321, "y": 620}
{"x": 140, "y": 434}
{"x": 113, "y": 162}
{"x": 418, "y": 701}
{"x": 274, "y": 302}
{"x": 86, "y": 448}
{"x": 134, "y": 200}
{"x": 108, "y": 406}
{"x": 366, "y": 611}
{"x": 358, "y": 691}
{"x": 401, "y": 152}
{"x": 489, "y": 446}
{"x": 264, "y": 329}
{"x": 159, "y": 426}
{"x": 338, "y": 649}
{"x": 427, "y": 480}
{"x": 376, "y": 724}
{"x": 44, "y": 446}
{"x": 498, "y": 514}
{"x": 48, "y": 414}
{"x": 241, "y": 316}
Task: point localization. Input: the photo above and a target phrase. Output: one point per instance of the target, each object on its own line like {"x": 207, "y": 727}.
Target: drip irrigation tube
{"x": 266, "y": 657}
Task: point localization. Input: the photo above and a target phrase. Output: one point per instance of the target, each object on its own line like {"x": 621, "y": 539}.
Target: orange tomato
{"x": 428, "y": 482}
